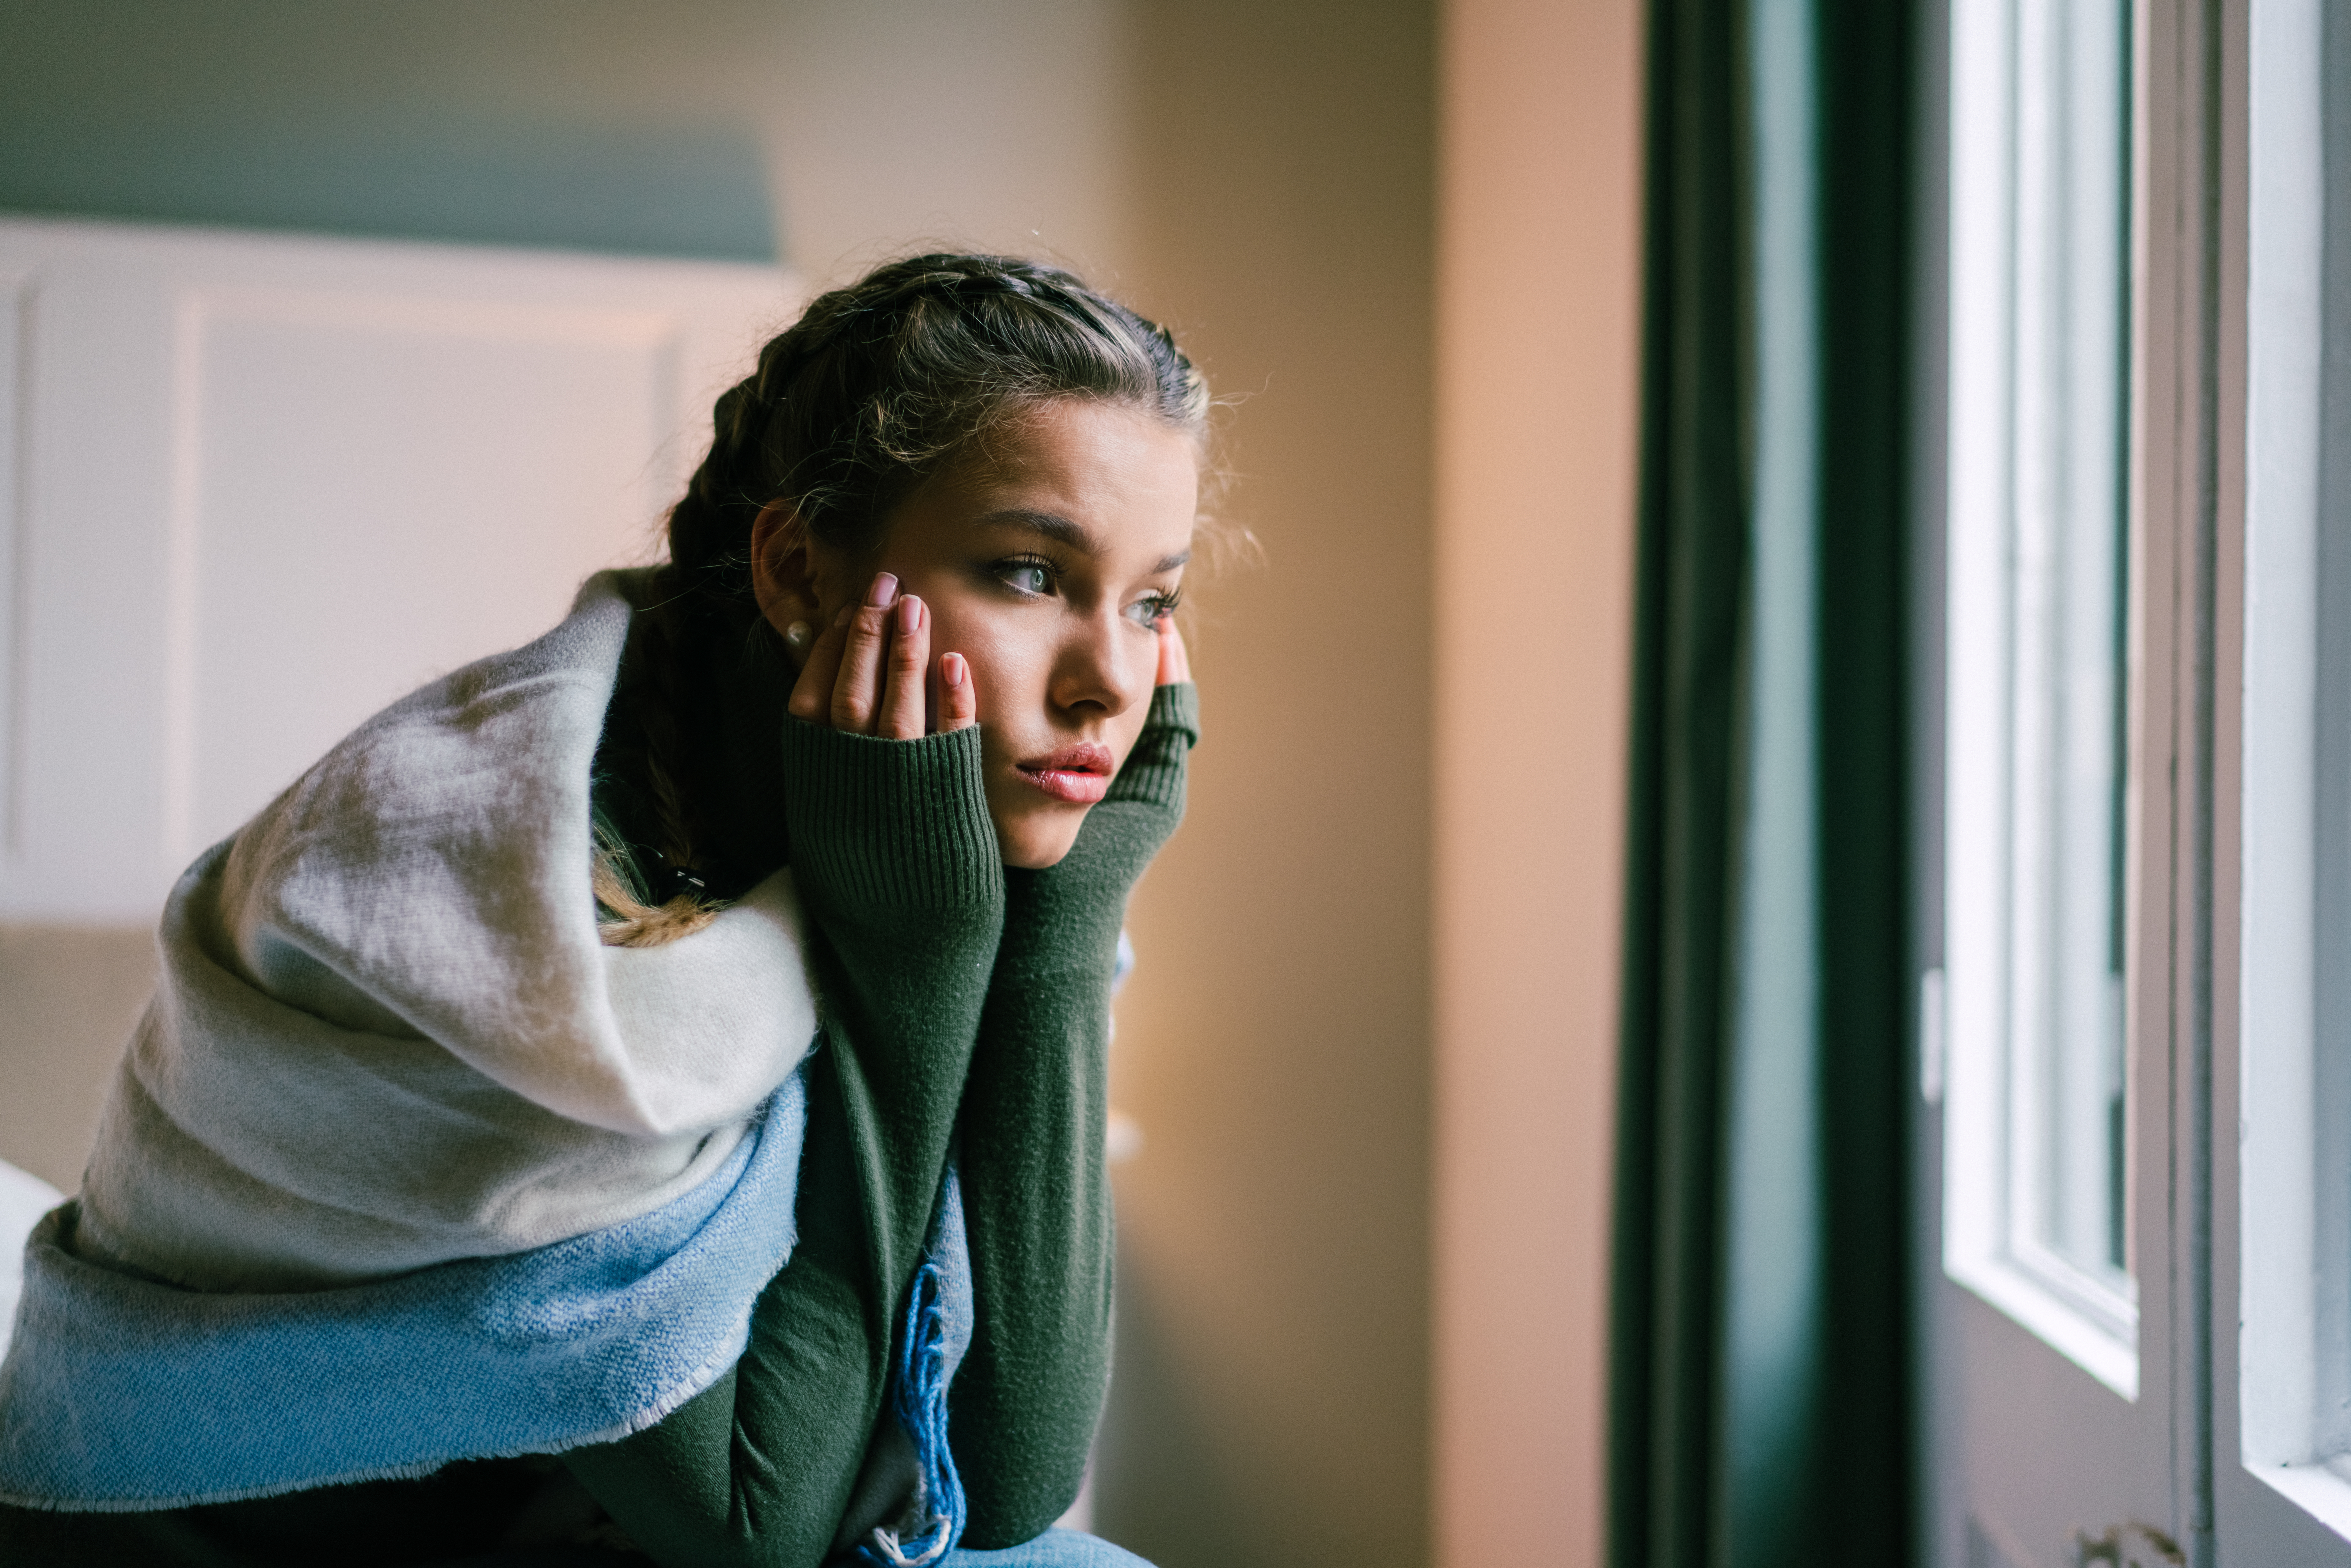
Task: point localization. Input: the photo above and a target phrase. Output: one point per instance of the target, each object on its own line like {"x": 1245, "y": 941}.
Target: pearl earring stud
{"x": 797, "y": 635}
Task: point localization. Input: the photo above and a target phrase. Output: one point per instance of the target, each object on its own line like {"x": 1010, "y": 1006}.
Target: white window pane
{"x": 2039, "y": 749}
{"x": 2067, "y": 523}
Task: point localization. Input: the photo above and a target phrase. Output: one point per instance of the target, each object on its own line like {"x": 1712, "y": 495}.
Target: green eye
{"x": 1028, "y": 576}
{"x": 1148, "y": 609}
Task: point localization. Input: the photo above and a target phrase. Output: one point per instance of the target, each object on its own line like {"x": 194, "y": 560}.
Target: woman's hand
{"x": 869, "y": 673}
{"x": 1175, "y": 663}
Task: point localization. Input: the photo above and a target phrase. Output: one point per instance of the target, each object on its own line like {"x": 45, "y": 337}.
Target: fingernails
{"x": 884, "y": 589}
{"x": 846, "y": 611}
{"x": 951, "y": 670}
{"x": 910, "y": 615}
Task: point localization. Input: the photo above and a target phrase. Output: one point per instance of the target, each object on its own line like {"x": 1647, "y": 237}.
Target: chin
{"x": 1034, "y": 845}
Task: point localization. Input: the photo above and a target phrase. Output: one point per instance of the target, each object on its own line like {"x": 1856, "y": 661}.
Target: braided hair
{"x": 873, "y": 389}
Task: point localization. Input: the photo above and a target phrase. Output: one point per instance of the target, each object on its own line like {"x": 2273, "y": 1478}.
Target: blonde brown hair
{"x": 871, "y": 390}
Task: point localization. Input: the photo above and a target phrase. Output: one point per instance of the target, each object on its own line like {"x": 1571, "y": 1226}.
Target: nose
{"x": 1104, "y": 667}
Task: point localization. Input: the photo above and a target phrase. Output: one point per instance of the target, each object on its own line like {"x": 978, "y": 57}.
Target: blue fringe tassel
{"x": 922, "y": 1404}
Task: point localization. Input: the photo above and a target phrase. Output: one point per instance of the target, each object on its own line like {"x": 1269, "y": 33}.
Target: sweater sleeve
{"x": 1037, "y": 1200}
{"x": 897, "y": 864}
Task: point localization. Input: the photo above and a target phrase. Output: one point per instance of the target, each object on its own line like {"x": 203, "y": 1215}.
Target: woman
{"x": 472, "y": 1185}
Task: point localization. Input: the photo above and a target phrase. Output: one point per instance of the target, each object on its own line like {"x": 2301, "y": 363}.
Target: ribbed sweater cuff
{"x": 900, "y": 824}
{"x": 1154, "y": 771}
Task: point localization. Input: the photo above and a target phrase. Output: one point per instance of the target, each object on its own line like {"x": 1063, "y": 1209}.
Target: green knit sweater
{"x": 1024, "y": 1405}
{"x": 954, "y": 992}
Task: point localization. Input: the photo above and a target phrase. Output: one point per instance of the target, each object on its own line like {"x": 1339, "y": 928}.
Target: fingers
{"x": 869, "y": 674}
{"x": 906, "y": 667}
{"x": 857, "y": 690}
{"x": 812, "y": 692}
{"x": 958, "y": 702}
{"x": 1175, "y": 663}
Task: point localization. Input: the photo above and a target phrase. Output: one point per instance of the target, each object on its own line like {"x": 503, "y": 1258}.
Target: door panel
{"x": 256, "y": 487}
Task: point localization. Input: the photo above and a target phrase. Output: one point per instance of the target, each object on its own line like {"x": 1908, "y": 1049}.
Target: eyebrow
{"x": 1068, "y": 531}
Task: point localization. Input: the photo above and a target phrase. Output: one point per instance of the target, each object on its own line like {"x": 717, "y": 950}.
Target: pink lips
{"x": 1078, "y": 774}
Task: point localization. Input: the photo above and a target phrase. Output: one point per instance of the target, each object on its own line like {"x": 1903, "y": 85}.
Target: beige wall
{"x": 1273, "y": 1343}
{"x": 68, "y": 997}
{"x": 1538, "y": 308}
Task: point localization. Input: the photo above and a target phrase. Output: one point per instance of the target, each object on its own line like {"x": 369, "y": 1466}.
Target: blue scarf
{"x": 121, "y": 1394}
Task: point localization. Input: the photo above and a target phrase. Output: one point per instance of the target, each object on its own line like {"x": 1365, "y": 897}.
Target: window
{"x": 2038, "y": 677}
{"x": 2142, "y": 1350}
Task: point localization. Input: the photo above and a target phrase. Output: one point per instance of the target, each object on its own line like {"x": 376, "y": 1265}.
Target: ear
{"x": 783, "y": 570}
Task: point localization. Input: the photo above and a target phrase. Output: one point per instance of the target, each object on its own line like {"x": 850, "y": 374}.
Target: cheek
{"x": 1127, "y": 728}
{"x": 1007, "y": 669}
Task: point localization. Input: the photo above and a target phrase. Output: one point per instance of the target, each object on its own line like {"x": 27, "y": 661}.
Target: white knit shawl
{"x": 387, "y": 1034}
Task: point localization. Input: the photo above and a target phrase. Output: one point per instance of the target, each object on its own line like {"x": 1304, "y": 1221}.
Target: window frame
{"x": 2277, "y": 1497}
{"x": 1988, "y": 1102}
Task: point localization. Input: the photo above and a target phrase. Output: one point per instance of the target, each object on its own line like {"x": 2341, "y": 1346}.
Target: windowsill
{"x": 2088, "y": 1344}
{"x": 2317, "y": 1489}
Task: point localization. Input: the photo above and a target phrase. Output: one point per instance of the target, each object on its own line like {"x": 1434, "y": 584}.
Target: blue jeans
{"x": 1054, "y": 1549}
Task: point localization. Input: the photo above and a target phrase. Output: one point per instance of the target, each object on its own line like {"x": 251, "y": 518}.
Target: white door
{"x": 2141, "y": 1336}
{"x": 254, "y": 487}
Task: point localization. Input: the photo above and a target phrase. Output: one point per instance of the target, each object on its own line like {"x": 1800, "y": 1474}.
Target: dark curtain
{"x": 1760, "y": 1364}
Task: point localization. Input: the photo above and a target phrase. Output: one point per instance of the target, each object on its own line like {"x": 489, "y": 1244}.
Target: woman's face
{"x": 1045, "y": 553}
